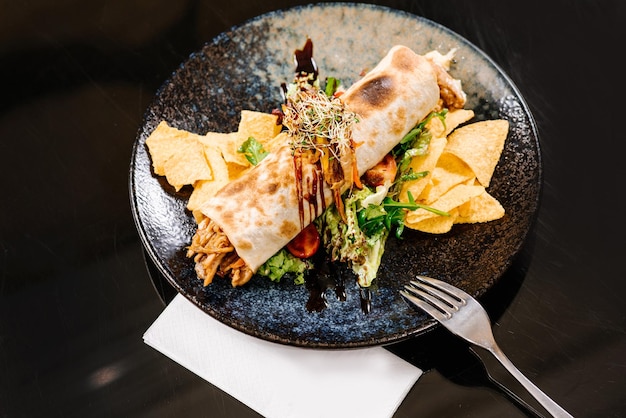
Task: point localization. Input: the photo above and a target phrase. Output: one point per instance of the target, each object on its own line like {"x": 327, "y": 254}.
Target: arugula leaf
{"x": 390, "y": 215}
{"x": 403, "y": 177}
{"x": 253, "y": 151}
{"x": 415, "y": 142}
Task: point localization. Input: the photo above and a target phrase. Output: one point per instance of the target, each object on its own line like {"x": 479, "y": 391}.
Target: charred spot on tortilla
{"x": 233, "y": 188}
{"x": 374, "y": 94}
{"x": 282, "y": 201}
{"x": 372, "y": 138}
{"x": 398, "y": 116}
{"x": 269, "y": 188}
{"x": 403, "y": 59}
{"x": 289, "y": 229}
{"x": 258, "y": 206}
{"x": 263, "y": 223}
{"x": 245, "y": 245}
{"x": 228, "y": 216}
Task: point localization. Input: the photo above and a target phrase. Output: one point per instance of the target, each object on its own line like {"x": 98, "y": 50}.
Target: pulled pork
{"x": 214, "y": 254}
{"x": 451, "y": 91}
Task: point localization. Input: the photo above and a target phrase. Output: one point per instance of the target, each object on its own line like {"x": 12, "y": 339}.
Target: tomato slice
{"x": 306, "y": 243}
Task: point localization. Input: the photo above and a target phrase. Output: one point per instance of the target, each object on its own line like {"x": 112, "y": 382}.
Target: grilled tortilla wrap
{"x": 268, "y": 206}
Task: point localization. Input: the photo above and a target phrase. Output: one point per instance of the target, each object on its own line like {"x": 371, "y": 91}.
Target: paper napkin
{"x": 280, "y": 381}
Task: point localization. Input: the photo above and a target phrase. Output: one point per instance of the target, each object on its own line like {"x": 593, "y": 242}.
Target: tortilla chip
{"x": 228, "y": 145}
{"x": 456, "y": 117}
{"x": 479, "y": 145}
{"x": 455, "y": 197}
{"x": 187, "y": 165}
{"x": 261, "y": 126}
{"x": 164, "y": 142}
{"x": 278, "y": 141}
{"x": 204, "y": 189}
{"x": 437, "y": 224}
{"x": 453, "y": 118}
{"x": 235, "y": 170}
{"x": 449, "y": 172}
{"x": 436, "y": 128}
{"x": 178, "y": 155}
{"x": 422, "y": 163}
{"x": 482, "y": 208}
{"x": 209, "y": 161}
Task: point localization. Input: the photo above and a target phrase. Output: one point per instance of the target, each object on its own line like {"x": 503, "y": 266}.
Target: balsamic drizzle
{"x": 305, "y": 64}
{"x": 332, "y": 276}
{"x": 327, "y": 275}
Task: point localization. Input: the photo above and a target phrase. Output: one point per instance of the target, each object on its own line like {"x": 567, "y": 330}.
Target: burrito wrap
{"x": 268, "y": 206}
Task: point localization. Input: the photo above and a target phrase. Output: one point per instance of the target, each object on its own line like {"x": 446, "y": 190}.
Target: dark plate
{"x": 243, "y": 69}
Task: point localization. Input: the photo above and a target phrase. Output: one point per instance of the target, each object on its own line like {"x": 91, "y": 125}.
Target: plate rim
{"x": 429, "y": 324}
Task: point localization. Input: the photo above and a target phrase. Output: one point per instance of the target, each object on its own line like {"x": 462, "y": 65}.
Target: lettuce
{"x": 347, "y": 242}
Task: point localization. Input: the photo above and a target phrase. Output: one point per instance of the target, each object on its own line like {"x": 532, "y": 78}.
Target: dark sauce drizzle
{"x": 318, "y": 284}
{"x": 309, "y": 190}
{"x": 297, "y": 166}
{"x": 305, "y": 64}
{"x": 333, "y": 276}
{"x": 327, "y": 275}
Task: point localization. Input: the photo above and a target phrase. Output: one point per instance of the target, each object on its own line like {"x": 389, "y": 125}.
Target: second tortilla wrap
{"x": 261, "y": 211}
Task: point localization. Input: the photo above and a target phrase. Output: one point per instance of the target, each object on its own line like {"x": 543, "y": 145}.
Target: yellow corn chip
{"x": 436, "y": 128}
{"x": 423, "y": 163}
{"x": 456, "y": 117}
{"x": 177, "y": 155}
{"x": 452, "y": 119}
{"x": 187, "y": 165}
{"x": 261, "y": 126}
{"x": 482, "y": 208}
{"x": 465, "y": 208}
{"x": 258, "y": 125}
{"x": 455, "y": 197}
{"x": 164, "y": 142}
{"x": 235, "y": 170}
{"x": 449, "y": 172}
{"x": 437, "y": 224}
{"x": 204, "y": 189}
{"x": 278, "y": 141}
{"x": 228, "y": 145}
{"x": 479, "y": 145}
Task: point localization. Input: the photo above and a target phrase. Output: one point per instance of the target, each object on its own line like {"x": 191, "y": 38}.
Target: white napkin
{"x": 280, "y": 381}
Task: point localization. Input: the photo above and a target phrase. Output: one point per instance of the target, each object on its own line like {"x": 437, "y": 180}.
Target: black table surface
{"x": 76, "y": 294}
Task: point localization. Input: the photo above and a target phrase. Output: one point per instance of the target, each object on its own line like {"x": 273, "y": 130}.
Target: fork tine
{"x": 423, "y": 305}
{"x": 448, "y": 288}
{"x": 451, "y": 302}
{"x": 428, "y": 296}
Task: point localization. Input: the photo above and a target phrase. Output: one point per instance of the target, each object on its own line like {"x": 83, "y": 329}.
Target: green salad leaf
{"x": 331, "y": 86}
{"x": 253, "y": 151}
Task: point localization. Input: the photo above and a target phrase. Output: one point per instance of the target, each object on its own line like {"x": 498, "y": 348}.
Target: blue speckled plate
{"x": 243, "y": 69}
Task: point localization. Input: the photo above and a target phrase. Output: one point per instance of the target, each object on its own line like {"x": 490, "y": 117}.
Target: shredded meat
{"x": 451, "y": 91}
{"x": 214, "y": 254}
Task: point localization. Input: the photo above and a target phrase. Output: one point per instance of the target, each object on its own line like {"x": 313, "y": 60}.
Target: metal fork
{"x": 464, "y": 316}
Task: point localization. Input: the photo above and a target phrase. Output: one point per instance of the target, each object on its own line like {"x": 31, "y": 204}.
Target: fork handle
{"x": 545, "y": 401}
